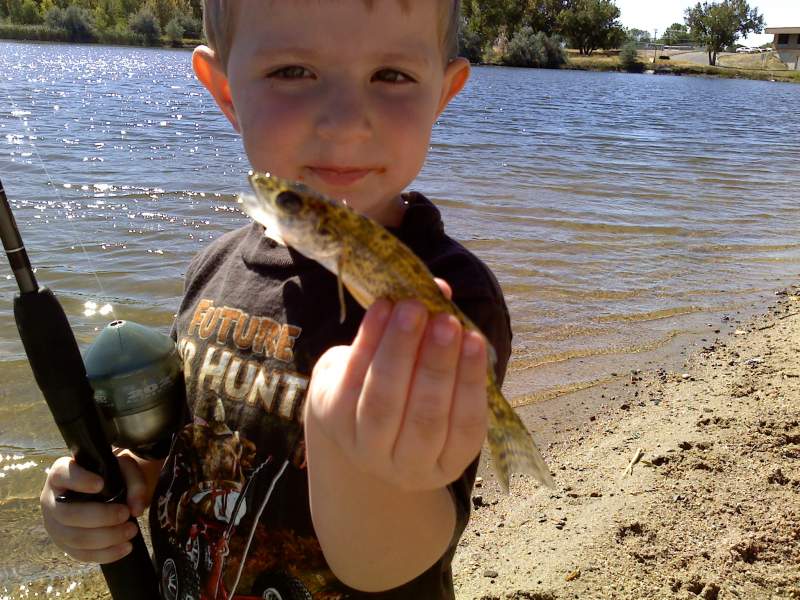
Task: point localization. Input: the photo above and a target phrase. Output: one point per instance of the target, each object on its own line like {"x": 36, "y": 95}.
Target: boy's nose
{"x": 344, "y": 117}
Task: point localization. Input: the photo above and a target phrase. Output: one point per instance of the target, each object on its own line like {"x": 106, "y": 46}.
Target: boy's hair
{"x": 219, "y": 22}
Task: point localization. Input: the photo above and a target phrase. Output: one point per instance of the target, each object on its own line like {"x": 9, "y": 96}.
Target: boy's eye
{"x": 291, "y": 72}
{"x": 392, "y": 76}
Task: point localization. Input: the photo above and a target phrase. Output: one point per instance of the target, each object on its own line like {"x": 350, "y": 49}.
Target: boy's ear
{"x": 456, "y": 75}
{"x": 209, "y": 71}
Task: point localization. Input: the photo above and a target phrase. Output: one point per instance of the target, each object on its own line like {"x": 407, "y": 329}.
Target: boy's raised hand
{"x": 91, "y": 531}
{"x": 406, "y": 402}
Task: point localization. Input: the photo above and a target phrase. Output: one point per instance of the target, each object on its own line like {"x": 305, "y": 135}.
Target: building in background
{"x": 787, "y": 44}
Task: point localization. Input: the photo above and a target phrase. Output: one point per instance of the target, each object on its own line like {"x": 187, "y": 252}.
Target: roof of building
{"x": 783, "y": 30}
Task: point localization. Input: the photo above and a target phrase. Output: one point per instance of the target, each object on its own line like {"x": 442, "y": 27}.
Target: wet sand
{"x": 710, "y": 510}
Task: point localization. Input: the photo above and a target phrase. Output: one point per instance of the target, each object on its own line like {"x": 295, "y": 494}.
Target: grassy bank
{"x": 737, "y": 69}
{"x": 42, "y": 33}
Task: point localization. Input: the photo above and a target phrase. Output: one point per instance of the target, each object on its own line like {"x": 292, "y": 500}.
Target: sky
{"x": 660, "y": 14}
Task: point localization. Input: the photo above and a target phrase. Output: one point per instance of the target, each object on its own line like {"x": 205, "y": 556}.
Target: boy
{"x": 324, "y": 459}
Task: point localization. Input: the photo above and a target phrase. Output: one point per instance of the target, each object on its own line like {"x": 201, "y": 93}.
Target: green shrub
{"x": 192, "y": 28}
{"x": 470, "y": 44}
{"x": 174, "y": 32}
{"x": 146, "y": 25}
{"x": 534, "y": 49}
{"x": 629, "y": 58}
{"x": 29, "y": 13}
{"x": 54, "y": 18}
{"x": 78, "y": 24}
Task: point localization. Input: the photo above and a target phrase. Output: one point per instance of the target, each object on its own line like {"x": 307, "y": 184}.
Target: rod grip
{"x": 58, "y": 367}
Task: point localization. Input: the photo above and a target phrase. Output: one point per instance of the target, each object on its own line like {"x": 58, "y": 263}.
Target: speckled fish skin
{"x": 372, "y": 263}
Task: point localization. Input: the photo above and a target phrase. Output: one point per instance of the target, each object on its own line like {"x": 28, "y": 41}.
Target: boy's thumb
{"x": 445, "y": 287}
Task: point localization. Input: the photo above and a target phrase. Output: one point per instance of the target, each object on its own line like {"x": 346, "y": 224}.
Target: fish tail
{"x": 511, "y": 444}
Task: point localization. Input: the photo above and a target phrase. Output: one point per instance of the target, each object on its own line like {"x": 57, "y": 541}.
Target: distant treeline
{"x": 493, "y": 27}
{"x": 154, "y": 22}
{"x": 531, "y": 33}
{"x": 520, "y": 32}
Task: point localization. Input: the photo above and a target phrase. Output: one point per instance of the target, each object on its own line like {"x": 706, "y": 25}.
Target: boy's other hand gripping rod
{"x": 57, "y": 365}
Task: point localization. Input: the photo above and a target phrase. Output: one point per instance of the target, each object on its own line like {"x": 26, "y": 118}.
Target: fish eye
{"x": 289, "y": 201}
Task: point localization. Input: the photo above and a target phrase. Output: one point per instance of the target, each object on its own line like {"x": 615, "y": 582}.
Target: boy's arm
{"x": 390, "y": 422}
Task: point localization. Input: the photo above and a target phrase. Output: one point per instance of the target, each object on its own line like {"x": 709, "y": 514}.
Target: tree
{"x": 637, "y": 36}
{"x": 677, "y": 33}
{"x": 591, "y": 24}
{"x": 719, "y": 25}
{"x": 490, "y": 18}
{"x": 29, "y": 13}
{"x": 145, "y": 23}
{"x": 542, "y": 15}
{"x": 102, "y": 19}
{"x": 470, "y": 44}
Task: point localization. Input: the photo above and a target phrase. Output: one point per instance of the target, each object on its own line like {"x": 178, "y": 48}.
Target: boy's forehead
{"x": 394, "y": 26}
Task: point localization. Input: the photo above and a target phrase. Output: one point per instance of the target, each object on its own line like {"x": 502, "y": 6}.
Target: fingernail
{"x": 472, "y": 345}
{"x": 444, "y": 330}
{"x": 382, "y": 310}
{"x": 409, "y": 316}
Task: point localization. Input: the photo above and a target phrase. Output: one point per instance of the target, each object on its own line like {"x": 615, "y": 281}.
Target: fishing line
{"x": 17, "y": 112}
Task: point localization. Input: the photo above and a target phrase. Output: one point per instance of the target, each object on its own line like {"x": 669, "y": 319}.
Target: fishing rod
{"x": 60, "y": 372}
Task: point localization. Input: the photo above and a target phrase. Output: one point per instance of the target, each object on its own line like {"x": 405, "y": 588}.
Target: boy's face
{"x": 337, "y": 95}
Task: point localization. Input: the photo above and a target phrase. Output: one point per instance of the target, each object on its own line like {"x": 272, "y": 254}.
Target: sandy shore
{"x": 710, "y": 510}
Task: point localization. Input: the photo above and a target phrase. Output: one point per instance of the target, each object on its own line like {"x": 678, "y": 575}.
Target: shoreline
{"x": 600, "y": 63}
{"x": 711, "y": 509}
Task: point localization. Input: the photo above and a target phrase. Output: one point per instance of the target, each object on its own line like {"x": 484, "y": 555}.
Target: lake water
{"x": 622, "y": 214}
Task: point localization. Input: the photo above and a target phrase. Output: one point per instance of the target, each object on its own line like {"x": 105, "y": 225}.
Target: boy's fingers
{"x": 65, "y": 474}
{"x": 426, "y": 420}
{"x": 135, "y": 484}
{"x": 468, "y": 415}
{"x": 382, "y": 401}
{"x": 338, "y": 377}
{"x": 365, "y": 344}
{"x": 87, "y": 515}
{"x": 78, "y": 538}
{"x": 445, "y": 287}
{"x": 104, "y": 556}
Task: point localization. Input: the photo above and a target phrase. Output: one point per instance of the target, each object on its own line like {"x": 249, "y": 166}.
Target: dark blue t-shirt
{"x": 230, "y": 516}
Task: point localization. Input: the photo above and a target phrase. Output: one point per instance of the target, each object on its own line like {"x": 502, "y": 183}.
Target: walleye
{"x": 372, "y": 263}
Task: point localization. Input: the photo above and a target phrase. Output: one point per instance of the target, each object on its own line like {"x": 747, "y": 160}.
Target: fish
{"x": 372, "y": 263}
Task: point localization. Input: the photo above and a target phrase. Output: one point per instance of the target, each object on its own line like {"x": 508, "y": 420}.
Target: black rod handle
{"x": 57, "y": 365}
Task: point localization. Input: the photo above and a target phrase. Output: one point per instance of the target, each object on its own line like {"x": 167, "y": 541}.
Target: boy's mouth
{"x": 341, "y": 176}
